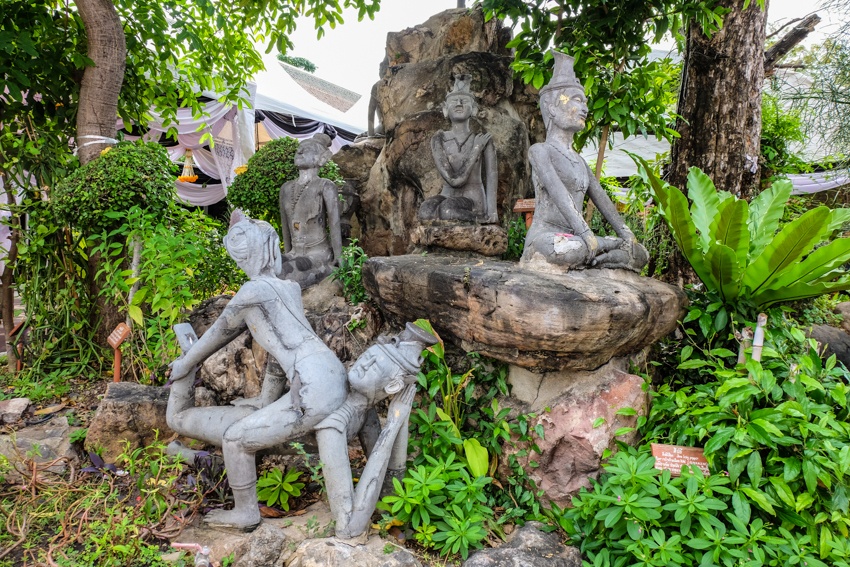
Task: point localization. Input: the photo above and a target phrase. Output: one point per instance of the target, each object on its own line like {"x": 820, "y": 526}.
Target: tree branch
{"x": 781, "y": 48}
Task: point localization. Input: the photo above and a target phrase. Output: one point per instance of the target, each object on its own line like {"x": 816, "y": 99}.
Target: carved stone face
{"x": 375, "y": 375}
{"x": 459, "y": 108}
{"x": 567, "y": 109}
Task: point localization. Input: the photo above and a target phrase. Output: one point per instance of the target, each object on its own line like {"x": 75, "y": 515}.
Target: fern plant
{"x": 735, "y": 249}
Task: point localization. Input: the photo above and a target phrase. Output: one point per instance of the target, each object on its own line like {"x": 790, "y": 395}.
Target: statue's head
{"x": 563, "y": 103}
{"x": 254, "y": 245}
{"x": 390, "y": 364}
{"x": 460, "y": 105}
{"x": 313, "y": 152}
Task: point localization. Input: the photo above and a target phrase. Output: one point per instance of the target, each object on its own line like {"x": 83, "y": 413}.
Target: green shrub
{"x": 349, "y": 273}
{"x": 735, "y": 249}
{"x": 257, "y": 190}
{"x": 275, "y": 488}
{"x": 128, "y": 175}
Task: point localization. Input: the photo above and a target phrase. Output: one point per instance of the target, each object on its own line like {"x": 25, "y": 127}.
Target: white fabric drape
{"x": 275, "y": 132}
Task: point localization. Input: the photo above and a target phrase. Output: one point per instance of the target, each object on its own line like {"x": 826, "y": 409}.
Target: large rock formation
{"x": 577, "y": 320}
{"x": 422, "y": 63}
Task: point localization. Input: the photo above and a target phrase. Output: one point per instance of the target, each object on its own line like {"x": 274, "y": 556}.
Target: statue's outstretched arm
{"x": 227, "y": 327}
{"x": 607, "y": 208}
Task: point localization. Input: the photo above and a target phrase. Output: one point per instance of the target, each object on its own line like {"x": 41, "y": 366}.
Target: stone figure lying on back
{"x": 321, "y": 396}
{"x": 559, "y": 234}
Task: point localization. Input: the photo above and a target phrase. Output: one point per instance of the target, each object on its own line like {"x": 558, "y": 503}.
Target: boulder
{"x": 843, "y": 309}
{"x": 262, "y": 548}
{"x": 578, "y": 413}
{"x": 12, "y": 410}
{"x": 129, "y": 412}
{"x": 543, "y": 322}
{"x": 528, "y": 547}
{"x": 836, "y": 341}
{"x": 333, "y": 551}
{"x": 47, "y": 442}
{"x": 422, "y": 63}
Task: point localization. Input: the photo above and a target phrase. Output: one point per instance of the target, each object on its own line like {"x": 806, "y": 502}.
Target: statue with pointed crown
{"x": 467, "y": 163}
{"x": 559, "y": 235}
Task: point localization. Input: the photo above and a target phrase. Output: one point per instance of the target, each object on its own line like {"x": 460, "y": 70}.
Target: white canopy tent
{"x": 235, "y": 130}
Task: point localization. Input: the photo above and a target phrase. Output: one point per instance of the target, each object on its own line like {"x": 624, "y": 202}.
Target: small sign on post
{"x": 525, "y": 206}
{"x": 115, "y": 338}
{"x": 674, "y": 457}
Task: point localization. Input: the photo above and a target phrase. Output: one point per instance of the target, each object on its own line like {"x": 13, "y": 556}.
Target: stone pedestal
{"x": 485, "y": 239}
{"x": 543, "y": 322}
{"x": 579, "y": 414}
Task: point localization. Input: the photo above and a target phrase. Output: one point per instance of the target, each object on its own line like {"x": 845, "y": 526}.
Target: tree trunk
{"x": 720, "y": 102}
{"x": 97, "y": 117}
{"x": 7, "y": 289}
{"x": 790, "y": 40}
{"x": 101, "y": 85}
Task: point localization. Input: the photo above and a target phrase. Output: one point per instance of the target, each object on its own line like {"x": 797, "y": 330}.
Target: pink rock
{"x": 12, "y": 410}
{"x": 571, "y": 448}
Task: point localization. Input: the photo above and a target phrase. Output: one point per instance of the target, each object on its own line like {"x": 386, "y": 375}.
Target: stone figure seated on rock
{"x": 466, "y": 162}
{"x": 309, "y": 217}
{"x": 559, "y": 234}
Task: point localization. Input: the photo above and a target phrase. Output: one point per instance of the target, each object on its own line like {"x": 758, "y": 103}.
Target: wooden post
{"x": 115, "y": 338}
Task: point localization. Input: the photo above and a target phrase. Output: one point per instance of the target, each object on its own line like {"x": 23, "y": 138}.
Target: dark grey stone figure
{"x": 559, "y": 234}
{"x": 309, "y": 217}
{"x": 466, "y": 162}
{"x": 318, "y": 396}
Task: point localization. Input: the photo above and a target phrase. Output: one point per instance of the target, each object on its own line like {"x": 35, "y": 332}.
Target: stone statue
{"x": 386, "y": 368}
{"x": 318, "y": 397}
{"x": 309, "y": 217}
{"x": 466, "y": 162}
{"x": 559, "y": 234}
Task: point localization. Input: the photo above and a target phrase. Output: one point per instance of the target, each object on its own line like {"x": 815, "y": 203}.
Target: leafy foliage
{"x": 127, "y": 175}
{"x": 349, "y": 273}
{"x": 449, "y": 495}
{"x": 275, "y": 488}
{"x": 780, "y": 129}
{"x": 608, "y": 41}
{"x": 299, "y": 62}
{"x": 257, "y": 190}
{"x": 516, "y": 238}
{"x": 735, "y": 249}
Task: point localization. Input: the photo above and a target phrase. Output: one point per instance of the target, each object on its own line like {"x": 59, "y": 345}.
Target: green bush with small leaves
{"x": 127, "y": 175}
{"x": 349, "y": 273}
{"x": 257, "y": 190}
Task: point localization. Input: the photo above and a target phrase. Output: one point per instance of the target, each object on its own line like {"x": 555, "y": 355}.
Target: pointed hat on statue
{"x": 563, "y": 76}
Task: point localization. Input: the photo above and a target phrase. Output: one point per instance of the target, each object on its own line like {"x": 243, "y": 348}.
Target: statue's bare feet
{"x": 243, "y": 520}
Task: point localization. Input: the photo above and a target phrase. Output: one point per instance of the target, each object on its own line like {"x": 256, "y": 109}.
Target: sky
{"x": 349, "y": 55}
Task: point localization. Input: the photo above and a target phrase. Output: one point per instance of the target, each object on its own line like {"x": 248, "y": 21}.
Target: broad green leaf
{"x": 730, "y": 229}
{"x": 759, "y": 498}
{"x": 705, "y": 204}
{"x": 136, "y": 314}
{"x": 822, "y": 261}
{"x": 794, "y": 241}
{"x": 675, "y": 208}
{"x": 765, "y": 211}
{"x": 839, "y": 218}
{"x": 799, "y": 291}
{"x": 476, "y": 457}
{"x": 725, "y": 271}
{"x": 782, "y": 490}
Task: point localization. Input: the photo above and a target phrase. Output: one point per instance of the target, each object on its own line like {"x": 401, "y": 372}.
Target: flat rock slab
{"x": 541, "y": 321}
{"x": 47, "y": 442}
{"x": 487, "y": 239}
